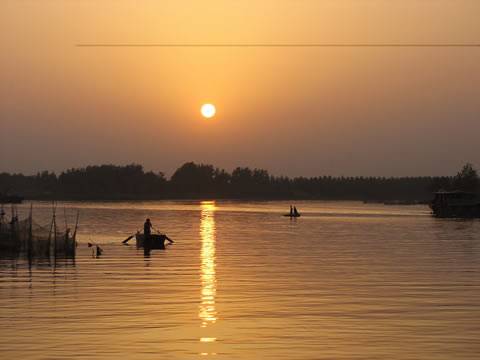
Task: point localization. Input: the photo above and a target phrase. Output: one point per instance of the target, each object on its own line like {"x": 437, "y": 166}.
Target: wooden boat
{"x": 292, "y": 215}
{"x": 455, "y": 204}
{"x": 158, "y": 240}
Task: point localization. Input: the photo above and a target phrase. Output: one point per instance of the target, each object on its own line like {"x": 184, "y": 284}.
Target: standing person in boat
{"x": 295, "y": 212}
{"x": 147, "y": 241}
{"x": 291, "y": 210}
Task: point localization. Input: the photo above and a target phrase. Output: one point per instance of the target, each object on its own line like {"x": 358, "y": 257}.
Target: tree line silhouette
{"x": 111, "y": 182}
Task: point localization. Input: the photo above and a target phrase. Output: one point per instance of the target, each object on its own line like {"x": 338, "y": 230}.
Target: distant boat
{"x": 293, "y": 213}
{"x": 10, "y": 199}
{"x": 455, "y": 204}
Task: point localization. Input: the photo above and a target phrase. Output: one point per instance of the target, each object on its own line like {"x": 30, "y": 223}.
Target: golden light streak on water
{"x": 207, "y": 311}
{"x": 208, "y": 339}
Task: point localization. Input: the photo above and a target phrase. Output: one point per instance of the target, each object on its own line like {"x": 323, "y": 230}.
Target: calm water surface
{"x": 344, "y": 281}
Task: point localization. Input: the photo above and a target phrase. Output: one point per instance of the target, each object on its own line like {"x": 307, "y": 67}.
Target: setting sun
{"x": 208, "y": 110}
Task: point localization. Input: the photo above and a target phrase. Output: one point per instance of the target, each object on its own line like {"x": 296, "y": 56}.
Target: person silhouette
{"x": 147, "y": 238}
{"x": 295, "y": 212}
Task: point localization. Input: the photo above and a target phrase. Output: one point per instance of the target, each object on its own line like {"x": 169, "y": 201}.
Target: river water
{"x": 344, "y": 281}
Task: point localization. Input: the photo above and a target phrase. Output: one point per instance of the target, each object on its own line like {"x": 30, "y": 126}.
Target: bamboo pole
{"x": 2, "y": 217}
{"x": 49, "y": 241}
{"x": 30, "y": 235}
{"x": 54, "y": 233}
{"x": 13, "y": 230}
{"x": 49, "y": 245}
{"x": 67, "y": 232}
{"x": 65, "y": 217}
{"x": 74, "y": 236}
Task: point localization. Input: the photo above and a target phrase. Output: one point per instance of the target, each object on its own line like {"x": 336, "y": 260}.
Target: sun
{"x": 208, "y": 110}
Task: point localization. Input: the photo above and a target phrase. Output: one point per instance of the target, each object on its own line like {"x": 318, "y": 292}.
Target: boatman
{"x": 295, "y": 212}
{"x": 147, "y": 241}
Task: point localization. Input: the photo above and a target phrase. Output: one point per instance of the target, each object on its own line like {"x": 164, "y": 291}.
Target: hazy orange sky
{"x": 293, "y": 111}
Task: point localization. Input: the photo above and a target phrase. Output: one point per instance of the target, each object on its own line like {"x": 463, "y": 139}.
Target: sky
{"x": 293, "y": 111}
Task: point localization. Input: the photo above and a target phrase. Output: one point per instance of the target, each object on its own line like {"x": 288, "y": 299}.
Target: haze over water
{"x": 344, "y": 281}
{"x": 294, "y": 111}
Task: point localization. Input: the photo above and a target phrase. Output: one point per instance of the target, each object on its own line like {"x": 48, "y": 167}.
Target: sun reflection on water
{"x": 207, "y": 311}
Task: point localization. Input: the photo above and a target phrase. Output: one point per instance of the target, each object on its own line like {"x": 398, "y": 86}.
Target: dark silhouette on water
{"x": 97, "y": 250}
{"x": 125, "y": 242}
{"x": 25, "y": 237}
{"x": 455, "y": 204}
{"x": 464, "y": 201}
{"x": 147, "y": 241}
{"x": 293, "y": 212}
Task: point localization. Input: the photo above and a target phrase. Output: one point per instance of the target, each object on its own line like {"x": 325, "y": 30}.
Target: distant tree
{"x": 45, "y": 183}
{"x": 251, "y": 183}
{"x": 242, "y": 181}
{"x": 191, "y": 178}
{"x": 467, "y": 179}
{"x": 222, "y": 182}
{"x": 200, "y": 180}
{"x": 111, "y": 182}
{"x": 442, "y": 183}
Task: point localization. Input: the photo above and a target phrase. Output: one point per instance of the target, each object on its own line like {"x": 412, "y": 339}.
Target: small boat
{"x": 293, "y": 213}
{"x": 455, "y": 204}
{"x": 158, "y": 240}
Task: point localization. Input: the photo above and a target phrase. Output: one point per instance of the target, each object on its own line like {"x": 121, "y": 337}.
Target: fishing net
{"x": 30, "y": 237}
